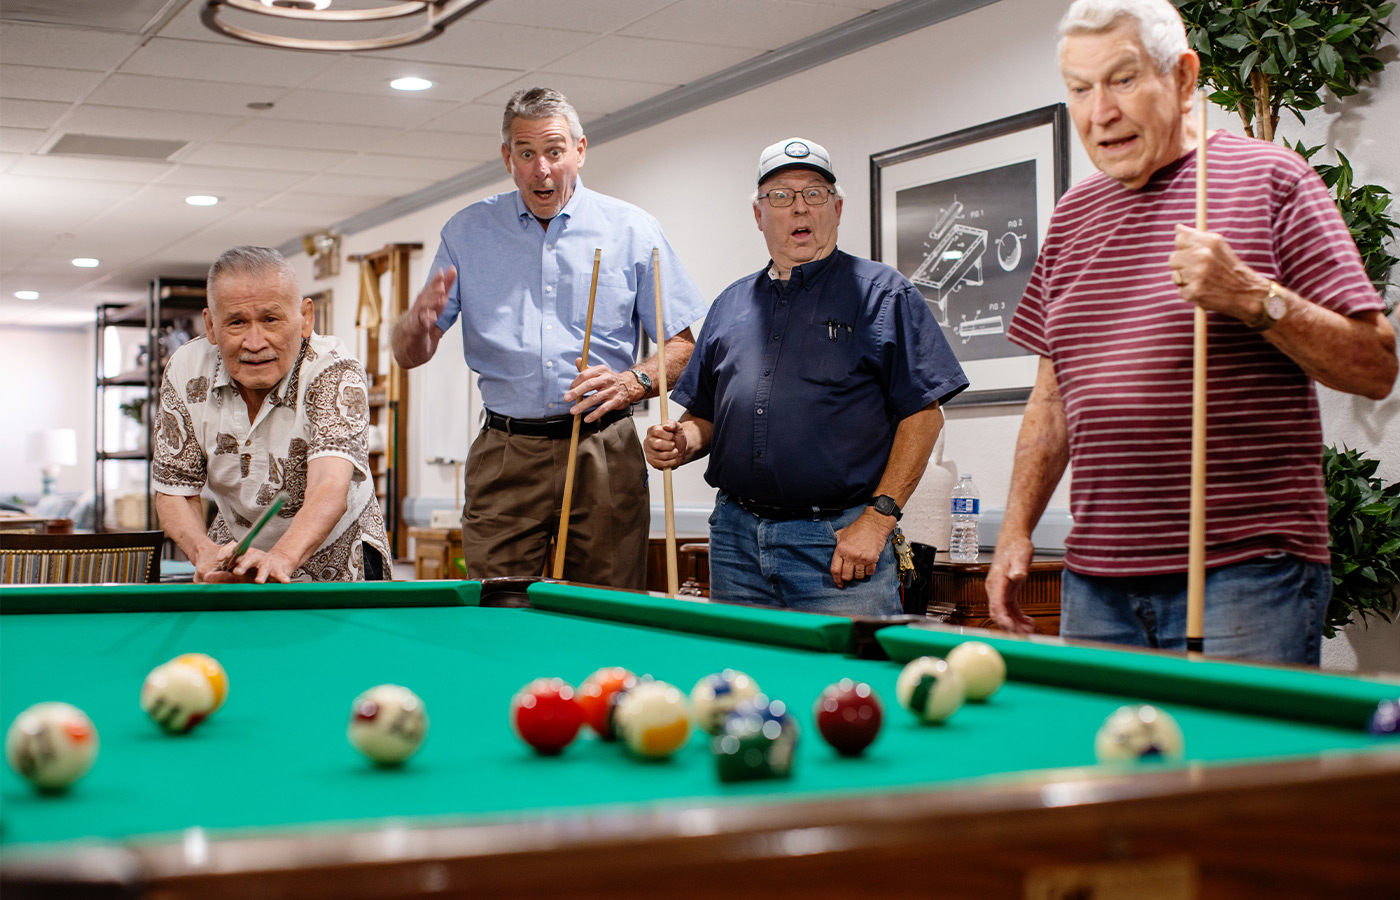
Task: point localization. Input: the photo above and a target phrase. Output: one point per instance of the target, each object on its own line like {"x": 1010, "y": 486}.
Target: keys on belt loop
{"x": 904, "y": 554}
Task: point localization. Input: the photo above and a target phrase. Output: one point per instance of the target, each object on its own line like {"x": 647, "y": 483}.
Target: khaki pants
{"x": 515, "y": 494}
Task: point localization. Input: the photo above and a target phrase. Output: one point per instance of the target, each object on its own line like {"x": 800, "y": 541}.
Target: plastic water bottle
{"x": 967, "y": 509}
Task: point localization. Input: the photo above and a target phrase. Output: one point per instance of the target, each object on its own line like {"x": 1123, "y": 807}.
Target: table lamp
{"x": 52, "y": 448}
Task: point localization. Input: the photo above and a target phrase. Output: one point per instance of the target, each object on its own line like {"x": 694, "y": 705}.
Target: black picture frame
{"x": 935, "y": 206}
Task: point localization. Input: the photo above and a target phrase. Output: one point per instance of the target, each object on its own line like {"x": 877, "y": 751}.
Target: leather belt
{"x": 554, "y": 427}
{"x": 787, "y": 513}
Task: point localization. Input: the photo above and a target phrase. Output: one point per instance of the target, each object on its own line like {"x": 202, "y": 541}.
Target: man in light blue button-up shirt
{"x": 525, "y": 260}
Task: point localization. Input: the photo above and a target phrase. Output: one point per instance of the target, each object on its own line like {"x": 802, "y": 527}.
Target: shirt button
{"x": 767, "y": 371}
{"x": 549, "y": 328}
{"x": 549, "y": 289}
{"x": 760, "y": 410}
{"x": 550, "y": 405}
{"x": 549, "y": 364}
{"x": 549, "y": 246}
{"x": 775, "y": 337}
{"x": 782, "y": 303}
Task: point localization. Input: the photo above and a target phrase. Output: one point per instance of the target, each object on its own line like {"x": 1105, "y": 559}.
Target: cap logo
{"x": 797, "y": 150}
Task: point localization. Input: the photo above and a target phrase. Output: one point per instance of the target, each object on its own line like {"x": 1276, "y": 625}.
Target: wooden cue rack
{"x": 388, "y": 395}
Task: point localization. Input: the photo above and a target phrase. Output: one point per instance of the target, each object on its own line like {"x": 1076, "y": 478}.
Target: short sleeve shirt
{"x": 204, "y": 438}
{"x": 806, "y": 384}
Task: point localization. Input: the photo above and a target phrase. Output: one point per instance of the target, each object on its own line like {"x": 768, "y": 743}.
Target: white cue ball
{"x": 388, "y": 724}
{"x": 715, "y": 697}
{"x": 177, "y": 696}
{"x": 1140, "y": 731}
{"x": 653, "y": 719}
{"x": 51, "y": 744}
{"x": 930, "y": 689}
{"x": 982, "y": 669}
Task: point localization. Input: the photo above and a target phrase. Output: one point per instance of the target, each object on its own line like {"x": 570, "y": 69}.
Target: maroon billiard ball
{"x": 545, "y": 714}
{"x": 848, "y": 715}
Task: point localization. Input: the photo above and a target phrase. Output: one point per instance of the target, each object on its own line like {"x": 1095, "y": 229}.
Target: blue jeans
{"x": 788, "y": 564}
{"x": 1269, "y": 609}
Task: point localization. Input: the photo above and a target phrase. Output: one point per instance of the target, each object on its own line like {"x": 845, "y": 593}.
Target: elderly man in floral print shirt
{"x": 262, "y": 405}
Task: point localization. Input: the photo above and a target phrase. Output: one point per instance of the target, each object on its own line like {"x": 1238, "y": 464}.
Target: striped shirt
{"x": 1102, "y": 307}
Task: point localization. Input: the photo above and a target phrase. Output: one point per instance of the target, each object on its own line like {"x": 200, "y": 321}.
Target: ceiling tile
{"x": 15, "y": 186}
{"x": 492, "y": 44}
{"x": 371, "y": 165}
{"x": 214, "y": 178}
{"x": 7, "y": 159}
{"x": 336, "y": 206}
{"x": 756, "y": 24}
{"x": 474, "y": 118}
{"x": 67, "y": 48}
{"x": 592, "y": 97}
{"x": 312, "y": 135}
{"x": 363, "y": 187}
{"x": 21, "y": 140}
{"x": 146, "y": 123}
{"x": 439, "y": 145}
{"x": 368, "y": 75}
{"x": 642, "y": 59}
{"x": 355, "y": 109}
{"x": 189, "y": 95}
{"x": 31, "y": 113}
{"x": 604, "y": 16}
{"x": 97, "y": 169}
{"x": 227, "y": 62}
{"x": 37, "y": 83}
{"x": 250, "y": 156}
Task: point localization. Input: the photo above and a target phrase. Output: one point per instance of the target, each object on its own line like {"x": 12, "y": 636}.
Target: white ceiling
{"x": 337, "y": 141}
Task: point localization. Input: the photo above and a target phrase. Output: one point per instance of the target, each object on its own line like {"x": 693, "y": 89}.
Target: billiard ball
{"x": 848, "y": 715}
{"x": 1386, "y": 718}
{"x": 51, "y": 744}
{"x": 595, "y": 697}
{"x": 653, "y": 719}
{"x": 1140, "y": 731}
{"x": 218, "y": 678}
{"x": 546, "y": 715}
{"x": 177, "y": 697}
{"x": 930, "y": 688}
{"x": 715, "y": 696}
{"x": 982, "y": 669}
{"x": 757, "y": 741}
{"x": 387, "y": 723}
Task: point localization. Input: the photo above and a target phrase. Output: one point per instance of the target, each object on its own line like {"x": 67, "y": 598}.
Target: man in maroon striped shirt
{"x": 1110, "y": 308}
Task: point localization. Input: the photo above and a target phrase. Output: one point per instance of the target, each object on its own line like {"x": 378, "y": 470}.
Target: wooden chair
{"x": 131, "y": 557}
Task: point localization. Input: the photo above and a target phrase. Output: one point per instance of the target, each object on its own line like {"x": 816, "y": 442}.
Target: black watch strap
{"x": 885, "y": 505}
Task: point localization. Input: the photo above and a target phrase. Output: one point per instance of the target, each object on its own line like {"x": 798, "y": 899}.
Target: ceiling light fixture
{"x": 410, "y": 84}
{"x": 437, "y": 15}
{"x": 86, "y": 262}
{"x": 26, "y": 295}
{"x": 202, "y": 200}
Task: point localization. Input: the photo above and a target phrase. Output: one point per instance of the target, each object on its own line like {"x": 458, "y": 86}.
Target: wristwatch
{"x": 885, "y": 505}
{"x": 1275, "y": 307}
{"x": 644, "y": 380}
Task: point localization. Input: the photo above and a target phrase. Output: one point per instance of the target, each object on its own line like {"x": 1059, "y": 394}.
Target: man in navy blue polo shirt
{"x": 815, "y": 389}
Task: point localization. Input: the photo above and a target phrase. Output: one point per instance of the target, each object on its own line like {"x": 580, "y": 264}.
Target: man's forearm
{"x": 1353, "y": 354}
{"x": 182, "y": 520}
{"x": 678, "y": 351}
{"x": 326, "y": 502}
{"x": 913, "y": 443}
{"x": 1042, "y": 453}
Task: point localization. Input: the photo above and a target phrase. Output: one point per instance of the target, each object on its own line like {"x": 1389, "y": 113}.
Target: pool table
{"x": 1283, "y": 794}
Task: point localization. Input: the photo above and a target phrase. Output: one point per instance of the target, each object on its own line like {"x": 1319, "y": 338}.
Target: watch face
{"x": 1275, "y": 307}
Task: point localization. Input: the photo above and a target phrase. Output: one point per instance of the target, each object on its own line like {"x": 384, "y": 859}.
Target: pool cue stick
{"x": 1196, "y": 540}
{"x": 672, "y": 576}
{"x": 563, "y": 539}
{"x": 279, "y": 501}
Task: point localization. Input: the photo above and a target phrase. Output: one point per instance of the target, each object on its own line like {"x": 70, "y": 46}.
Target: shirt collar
{"x": 806, "y": 274}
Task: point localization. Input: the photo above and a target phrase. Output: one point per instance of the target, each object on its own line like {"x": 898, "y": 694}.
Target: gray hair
{"x": 246, "y": 260}
{"x": 1159, "y": 25}
{"x": 540, "y": 103}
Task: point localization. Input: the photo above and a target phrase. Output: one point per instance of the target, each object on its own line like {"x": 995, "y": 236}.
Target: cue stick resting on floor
{"x": 1196, "y": 539}
{"x": 563, "y": 539}
{"x": 672, "y": 577}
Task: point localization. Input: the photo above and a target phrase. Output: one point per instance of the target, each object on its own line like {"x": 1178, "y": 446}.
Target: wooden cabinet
{"x": 435, "y": 553}
{"x": 134, "y": 341}
{"x": 958, "y": 595}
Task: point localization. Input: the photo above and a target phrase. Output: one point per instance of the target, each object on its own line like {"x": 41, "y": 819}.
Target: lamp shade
{"x": 54, "y": 447}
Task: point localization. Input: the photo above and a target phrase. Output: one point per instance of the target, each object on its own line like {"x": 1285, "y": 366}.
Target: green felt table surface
{"x": 275, "y": 758}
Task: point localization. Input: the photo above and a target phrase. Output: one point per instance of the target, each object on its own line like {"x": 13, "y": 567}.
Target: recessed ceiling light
{"x": 85, "y": 262}
{"x": 410, "y": 84}
{"x": 27, "y": 295}
{"x": 201, "y": 200}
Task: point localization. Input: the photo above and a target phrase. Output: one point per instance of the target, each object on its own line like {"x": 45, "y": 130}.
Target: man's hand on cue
{"x": 261, "y": 567}
{"x": 601, "y": 390}
{"x": 858, "y": 547}
{"x": 665, "y": 445}
{"x": 1010, "y": 567}
{"x": 1208, "y": 273}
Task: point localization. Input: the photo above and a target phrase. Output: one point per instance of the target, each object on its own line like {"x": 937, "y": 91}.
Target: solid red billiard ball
{"x": 545, "y": 714}
{"x": 848, "y": 715}
{"x": 595, "y": 697}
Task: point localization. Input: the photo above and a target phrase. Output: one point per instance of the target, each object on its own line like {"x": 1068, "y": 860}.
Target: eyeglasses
{"x": 781, "y": 197}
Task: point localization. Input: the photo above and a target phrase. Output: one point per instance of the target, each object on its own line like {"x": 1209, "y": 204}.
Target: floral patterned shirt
{"x": 321, "y": 408}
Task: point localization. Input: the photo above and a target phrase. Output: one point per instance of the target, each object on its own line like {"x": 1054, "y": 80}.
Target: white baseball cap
{"x": 795, "y": 153}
